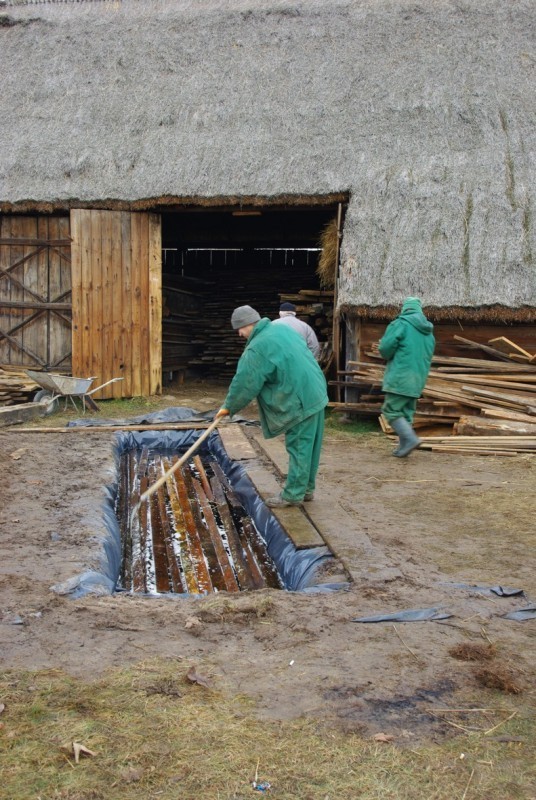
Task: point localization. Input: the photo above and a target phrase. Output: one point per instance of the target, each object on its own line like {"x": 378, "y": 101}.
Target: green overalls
{"x": 279, "y": 370}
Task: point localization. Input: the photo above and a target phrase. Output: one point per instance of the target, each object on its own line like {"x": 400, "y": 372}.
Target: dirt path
{"x": 404, "y": 528}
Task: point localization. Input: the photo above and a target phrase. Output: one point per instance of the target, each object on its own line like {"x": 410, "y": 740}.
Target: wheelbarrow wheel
{"x": 45, "y": 398}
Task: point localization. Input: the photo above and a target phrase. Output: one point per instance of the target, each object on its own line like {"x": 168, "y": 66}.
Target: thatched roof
{"x": 422, "y": 110}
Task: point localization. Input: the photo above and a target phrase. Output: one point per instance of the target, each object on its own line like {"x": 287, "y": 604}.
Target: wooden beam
{"x": 179, "y": 426}
{"x": 37, "y": 305}
{"x": 25, "y": 242}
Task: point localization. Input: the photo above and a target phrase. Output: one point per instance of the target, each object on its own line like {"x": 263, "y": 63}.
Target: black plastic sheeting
{"x": 297, "y": 568}
{"x": 521, "y": 614}
{"x": 499, "y": 591}
{"x": 170, "y": 414}
{"x": 409, "y": 615}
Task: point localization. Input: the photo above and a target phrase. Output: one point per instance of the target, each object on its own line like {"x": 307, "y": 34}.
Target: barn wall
{"x": 522, "y": 334}
{"x": 35, "y": 292}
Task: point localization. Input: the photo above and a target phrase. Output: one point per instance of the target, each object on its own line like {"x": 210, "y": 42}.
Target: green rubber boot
{"x": 408, "y": 439}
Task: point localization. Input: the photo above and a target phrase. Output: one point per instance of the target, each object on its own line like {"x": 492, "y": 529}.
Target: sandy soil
{"x": 403, "y": 528}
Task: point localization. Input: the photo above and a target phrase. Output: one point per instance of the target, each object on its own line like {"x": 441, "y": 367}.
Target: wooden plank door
{"x": 117, "y": 300}
{"x": 35, "y": 292}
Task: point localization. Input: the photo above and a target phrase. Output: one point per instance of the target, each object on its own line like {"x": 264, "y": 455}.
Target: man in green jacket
{"x": 408, "y": 346}
{"x": 279, "y": 370}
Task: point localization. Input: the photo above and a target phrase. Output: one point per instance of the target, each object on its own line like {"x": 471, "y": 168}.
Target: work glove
{"x": 223, "y": 412}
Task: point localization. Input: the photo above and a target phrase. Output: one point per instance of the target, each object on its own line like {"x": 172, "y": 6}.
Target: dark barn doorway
{"x": 213, "y": 261}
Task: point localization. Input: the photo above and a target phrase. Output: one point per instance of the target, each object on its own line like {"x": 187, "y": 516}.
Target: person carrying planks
{"x": 279, "y": 370}
{"x": 408, "y": 346}
{"x": 287, "y": 316}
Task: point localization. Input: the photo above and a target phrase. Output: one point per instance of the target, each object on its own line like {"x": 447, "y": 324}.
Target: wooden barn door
{"x": 117, "y": 300}
{"x": 35, "y": 292}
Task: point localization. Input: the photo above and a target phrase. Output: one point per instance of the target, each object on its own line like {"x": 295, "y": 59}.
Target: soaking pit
{"x": 205, "y": 530}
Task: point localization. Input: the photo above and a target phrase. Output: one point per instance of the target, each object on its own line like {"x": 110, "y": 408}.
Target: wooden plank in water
{"x": 190, "y": 578}
{"x": 196, "y": 551}
{"x": 123, "y": 515}
{"x": 143, "y": 463}
{"x": 229, "y": 578}
{"x": 258, "y": 546}
{"x": 232, "y": 499}
{"x": 196, "y": 494}
{"x": 174, "y": 571}
{"x": 159, "y": 546}
{"x": 139, "y": 570}
{"x": 252, "y": 542}
{"x": 245, "y": 579}
{"x": 139, "y": 526}
{"x": 257, "y": 576}
{"x": 203, "y": 477}
{"x": 233, "y": 502}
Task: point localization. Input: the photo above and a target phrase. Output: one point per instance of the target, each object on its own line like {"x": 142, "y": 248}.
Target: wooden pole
{"x": 180, "y": 426}
{"x": 336, "y": 317}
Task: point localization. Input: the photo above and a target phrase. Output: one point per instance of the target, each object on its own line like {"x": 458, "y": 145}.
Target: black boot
{"x": 408, "y": 439}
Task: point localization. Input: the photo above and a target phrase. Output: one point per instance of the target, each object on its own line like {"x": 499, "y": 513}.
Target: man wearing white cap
{"x": 279, "y": 370}
{"x": 287, "y": 316}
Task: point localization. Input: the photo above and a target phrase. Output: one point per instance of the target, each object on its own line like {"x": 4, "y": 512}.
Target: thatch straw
{"x": 327, "y": 261}
{"x": 499, "y": 314}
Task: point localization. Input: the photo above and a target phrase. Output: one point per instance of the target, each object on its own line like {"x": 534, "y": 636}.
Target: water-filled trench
{"x": 192, "y": 535}
{"x": 206, "y": 530}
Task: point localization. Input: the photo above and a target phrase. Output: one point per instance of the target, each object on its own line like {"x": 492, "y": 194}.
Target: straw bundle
{"x": 327, "y": 261}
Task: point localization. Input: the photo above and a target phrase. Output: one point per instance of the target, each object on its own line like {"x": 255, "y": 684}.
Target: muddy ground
{"x": 404, "y": 529}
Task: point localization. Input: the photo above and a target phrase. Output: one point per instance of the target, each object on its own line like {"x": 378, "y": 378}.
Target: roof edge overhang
{"x": 492, "y": 314}
{"x": 170, "y": 203}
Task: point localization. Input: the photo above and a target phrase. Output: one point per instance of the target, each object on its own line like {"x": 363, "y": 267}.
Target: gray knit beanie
{"x": 244, "y": 315}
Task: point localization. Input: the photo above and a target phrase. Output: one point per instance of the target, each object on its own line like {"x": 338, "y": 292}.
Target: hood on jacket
{"x": 412, "y": 313}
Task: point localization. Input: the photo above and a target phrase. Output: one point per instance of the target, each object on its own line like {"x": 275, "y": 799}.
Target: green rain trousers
{"x": 399, "y": 405}
{"x": 303, "y": 443}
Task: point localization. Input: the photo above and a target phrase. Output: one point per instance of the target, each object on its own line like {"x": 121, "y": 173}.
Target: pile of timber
{"x": 15, "y": 386}
{"x": 315, "y": 307}
{"x": 220, "y": 347}
{"x": 179, "y": 310}
{"x": 489, "y": 404}
{"x": 197, "y": 310}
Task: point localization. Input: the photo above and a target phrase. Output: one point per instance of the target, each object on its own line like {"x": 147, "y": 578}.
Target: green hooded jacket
{"x": 279, "y": 370}
{"x": 408, "y": 346}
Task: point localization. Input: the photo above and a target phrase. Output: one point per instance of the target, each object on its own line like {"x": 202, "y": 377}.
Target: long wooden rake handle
{"x": 157, "y": 484}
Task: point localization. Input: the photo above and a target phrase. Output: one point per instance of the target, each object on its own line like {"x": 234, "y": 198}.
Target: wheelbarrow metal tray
{"x": 61, "y": 384}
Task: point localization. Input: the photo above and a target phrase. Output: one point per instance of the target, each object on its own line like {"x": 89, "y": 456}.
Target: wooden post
{"x": 336, "y": 318}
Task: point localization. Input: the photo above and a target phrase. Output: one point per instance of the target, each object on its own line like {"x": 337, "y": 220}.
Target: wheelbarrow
{"x": 56, "y": 386}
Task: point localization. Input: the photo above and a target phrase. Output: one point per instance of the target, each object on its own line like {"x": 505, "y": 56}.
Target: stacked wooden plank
{"x": 193, "y": 536}
{"x": 180, "y": 309}
{"x": 224, "y": 279}
{"x": 219, "y": 346}
{"x": 15, "y": 386}
{"x": 489, "y": 403}
{"x": 315, "y": 307}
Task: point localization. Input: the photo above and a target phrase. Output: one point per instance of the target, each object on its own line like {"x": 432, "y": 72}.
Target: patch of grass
{"x": 336, "y": 422}
{"x": 197, "y": 743}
